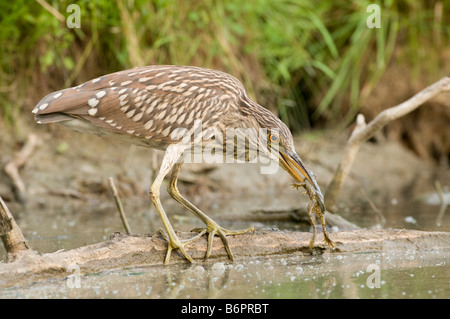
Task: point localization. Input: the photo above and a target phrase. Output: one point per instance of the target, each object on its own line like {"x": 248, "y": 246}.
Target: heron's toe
{"x": 214, "y": 229}
{"x": 176, "y": 243}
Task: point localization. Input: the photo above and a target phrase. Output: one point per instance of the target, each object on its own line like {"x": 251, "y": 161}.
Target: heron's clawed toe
{"x": 214, "y": 229}
{"x": 175, "y": 243}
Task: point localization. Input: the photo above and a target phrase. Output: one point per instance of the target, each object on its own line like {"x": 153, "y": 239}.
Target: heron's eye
{"x": 274, "y": 138}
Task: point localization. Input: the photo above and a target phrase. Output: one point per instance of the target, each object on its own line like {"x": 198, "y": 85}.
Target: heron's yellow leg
{"x": 212, "y": 228}
{"x": 169, "y": 160}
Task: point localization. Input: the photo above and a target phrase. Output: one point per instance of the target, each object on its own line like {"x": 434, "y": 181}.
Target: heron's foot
{"x": 175, "y": 243}
{"x": 214, "y": 229}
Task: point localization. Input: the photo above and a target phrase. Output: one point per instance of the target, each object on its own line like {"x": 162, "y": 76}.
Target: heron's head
{"x": 277, "y": 144}
{"x": 281, "y": 146}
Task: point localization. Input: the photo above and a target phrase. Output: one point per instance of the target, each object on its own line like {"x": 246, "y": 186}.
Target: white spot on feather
{"x": 148, "y": 125}
{"x": 93, "y": 102}
{"x": 100, "y": 94}
{"x": 43, "y": 106}
{"x": 181, "y": 118}
{"x": 130, "y": 114}
{"x": 160, "y": 115}
{"x": 92, "y": 112}
{"x": 57, "y": 95}
{"x": 166, "y": 131}
{"x": 138, "y": 116}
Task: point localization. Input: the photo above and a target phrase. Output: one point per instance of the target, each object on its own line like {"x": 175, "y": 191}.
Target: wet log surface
{"x": 149, "y": 250}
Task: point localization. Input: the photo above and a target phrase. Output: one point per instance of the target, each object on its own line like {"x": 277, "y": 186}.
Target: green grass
{"x": 311, "y": 62}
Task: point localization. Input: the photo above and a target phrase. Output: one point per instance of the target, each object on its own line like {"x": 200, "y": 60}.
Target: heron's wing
{"x": 146, "y": 102}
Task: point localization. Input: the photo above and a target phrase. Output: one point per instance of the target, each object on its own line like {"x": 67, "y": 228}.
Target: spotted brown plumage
{"x": 152, "y": 101}
{"x": 149, "y": 105}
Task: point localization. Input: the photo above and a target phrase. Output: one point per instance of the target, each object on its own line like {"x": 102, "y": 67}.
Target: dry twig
{"x": 363, "y": 132}
{"x": 119, "y": 205}
{"x": 19, "y": 160}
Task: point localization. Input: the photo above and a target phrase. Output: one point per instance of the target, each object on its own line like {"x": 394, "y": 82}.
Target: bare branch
{"x": 363, "y": 133}
{"x": 19, "y": 160}
{"x": 119, "y": 205}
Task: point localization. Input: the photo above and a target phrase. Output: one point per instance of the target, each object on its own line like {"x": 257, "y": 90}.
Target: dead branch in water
{"x": 19, "y": 160}
{"x": 123, "y": 217}
{"x": 364, "y": 132}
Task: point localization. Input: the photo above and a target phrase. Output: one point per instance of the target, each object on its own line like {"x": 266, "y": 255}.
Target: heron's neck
{"x": 263, "y": 117}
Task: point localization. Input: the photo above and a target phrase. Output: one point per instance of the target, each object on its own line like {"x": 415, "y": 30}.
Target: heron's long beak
{"x": 292, "y": 163}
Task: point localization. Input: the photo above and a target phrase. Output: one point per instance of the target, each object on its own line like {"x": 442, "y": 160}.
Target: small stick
{"x": 19, "y": 160}
{"x": 119, "y": 205}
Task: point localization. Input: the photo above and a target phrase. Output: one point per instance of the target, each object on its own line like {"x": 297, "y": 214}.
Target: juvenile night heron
{"x": 161, "y": 107}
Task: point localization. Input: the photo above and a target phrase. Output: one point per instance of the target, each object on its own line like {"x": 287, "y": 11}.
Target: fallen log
{"x": 145, "y": 250}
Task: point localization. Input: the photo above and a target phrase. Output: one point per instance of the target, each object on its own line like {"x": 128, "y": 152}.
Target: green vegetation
{"x": 309, "y": 61}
